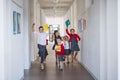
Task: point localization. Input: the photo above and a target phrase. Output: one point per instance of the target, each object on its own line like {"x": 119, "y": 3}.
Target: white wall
{"x": 98, "y": 56}
{"x": 91, "y": 38}
{"x": 27, "y": 35}
{"x": 81, "y": 13}
{"x": 2, "y": 66}
{"x": 16, "y": 47}
{"x": 112, "y": 50}
{"x": 43, "y": 17}
{"x": 35, "y": 17}
{"x": 103, "y": 41}
{"x": 118, "y": 40}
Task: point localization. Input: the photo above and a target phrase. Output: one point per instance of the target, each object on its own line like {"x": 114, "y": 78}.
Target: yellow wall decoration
{"x": 46, "y": 27}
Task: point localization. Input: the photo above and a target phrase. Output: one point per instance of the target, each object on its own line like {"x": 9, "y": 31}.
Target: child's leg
{"x": 61, "y": 65}
{"x": 76, "y": 53}
{"x": 67, "y": 59}
{"x": 56, "y": 57}
{"x": 42, "y": 51}
{"x": 46, "y": 53}
{"x": 72, "y": 55}
{"x": 58, "y": 61}
{"x": 39, "y": 52}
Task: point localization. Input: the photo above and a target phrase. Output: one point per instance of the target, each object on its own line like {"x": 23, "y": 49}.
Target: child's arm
{"x": 62, "y": 50}
{"x": 78, "y": 37}
{"x": 67, "y": 31}
{"x": 33, "y": 27}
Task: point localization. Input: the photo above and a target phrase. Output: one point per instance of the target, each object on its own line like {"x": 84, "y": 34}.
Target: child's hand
{"x": 33, "y": 27}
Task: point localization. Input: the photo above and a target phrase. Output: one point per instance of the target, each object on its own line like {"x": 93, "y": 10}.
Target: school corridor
{"x": 72, "y": 71}
{"x": 97, "y": 22}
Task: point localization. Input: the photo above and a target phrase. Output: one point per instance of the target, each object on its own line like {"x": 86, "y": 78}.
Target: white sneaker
{"x": 42, "y": 66}
{"x": 39, "y": 59}
{"x": 44, "y": 62}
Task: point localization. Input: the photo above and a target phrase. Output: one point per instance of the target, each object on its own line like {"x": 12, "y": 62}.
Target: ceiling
{"x": 55, "y": 7}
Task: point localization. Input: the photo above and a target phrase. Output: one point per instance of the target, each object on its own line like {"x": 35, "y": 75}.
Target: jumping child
{"x": 74, "y": 38}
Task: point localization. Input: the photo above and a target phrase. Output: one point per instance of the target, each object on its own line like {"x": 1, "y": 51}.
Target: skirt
{"x": 67, "y": 51}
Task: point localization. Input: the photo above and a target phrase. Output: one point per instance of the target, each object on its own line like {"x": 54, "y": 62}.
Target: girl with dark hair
{"x": 56, "y": 35}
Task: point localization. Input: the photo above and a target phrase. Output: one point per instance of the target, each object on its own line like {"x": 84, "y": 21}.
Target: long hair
{"x": 55, "y": 33}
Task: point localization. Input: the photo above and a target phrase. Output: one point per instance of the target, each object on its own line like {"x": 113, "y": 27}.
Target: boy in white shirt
{"x": 42, "y": 36}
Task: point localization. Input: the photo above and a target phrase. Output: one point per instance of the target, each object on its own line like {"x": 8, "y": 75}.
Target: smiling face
{"x": 41, "y": 29}
{"x": 57, "y": 33}
{"x": 72, "y": 31}
{"x": 58, "y": 41}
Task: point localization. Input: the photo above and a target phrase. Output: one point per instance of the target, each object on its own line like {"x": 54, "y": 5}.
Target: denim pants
{"x": 42, "y": 52}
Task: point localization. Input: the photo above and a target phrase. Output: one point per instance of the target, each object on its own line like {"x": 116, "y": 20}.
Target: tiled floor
{"x": 72, "y": 71}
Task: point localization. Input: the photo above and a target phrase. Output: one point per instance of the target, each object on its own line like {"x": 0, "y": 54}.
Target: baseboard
{"x": 88, "y": 71}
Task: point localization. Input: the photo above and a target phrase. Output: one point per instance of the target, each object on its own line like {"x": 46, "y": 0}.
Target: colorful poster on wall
{"x": 84, "y": 24}
{"x": 80, "y": 27}
{"x": 16, "y": 22}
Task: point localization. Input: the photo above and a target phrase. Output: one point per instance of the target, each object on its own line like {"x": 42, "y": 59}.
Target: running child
{"x": 66, "y": 47}
{"x": 59, "y": 48}
{"x": 56, "y": 35}
{"x": 42, "y": 36}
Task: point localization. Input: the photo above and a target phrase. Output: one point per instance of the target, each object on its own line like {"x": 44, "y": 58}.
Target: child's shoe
{"x": 68, "y": 62}
{"x": 42, "y": 66}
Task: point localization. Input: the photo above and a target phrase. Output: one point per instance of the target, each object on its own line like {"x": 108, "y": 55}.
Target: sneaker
{"x": 39, "y": 59}
{"x": 44, "y": 62}
{"x": 42, "y": 66}
{"x": 68, "y": 62}
{"x": 61, "y": 69}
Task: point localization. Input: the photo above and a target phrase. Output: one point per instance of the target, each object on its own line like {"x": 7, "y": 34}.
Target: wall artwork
{"x": 16, "y": 22}
{"x": 81, "y": 25}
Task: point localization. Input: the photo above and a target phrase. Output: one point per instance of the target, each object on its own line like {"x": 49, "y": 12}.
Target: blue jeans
{"x": 41, "y": 52}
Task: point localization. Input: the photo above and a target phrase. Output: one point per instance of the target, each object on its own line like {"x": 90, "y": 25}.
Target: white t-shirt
{"x": 41, "y": 37}
{"x": 66, "y": 45}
